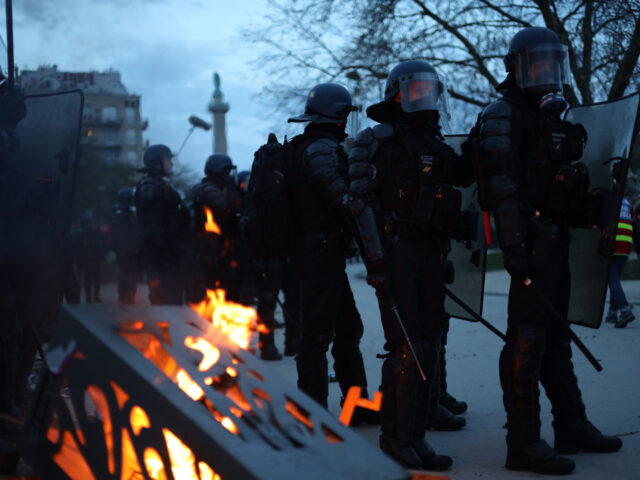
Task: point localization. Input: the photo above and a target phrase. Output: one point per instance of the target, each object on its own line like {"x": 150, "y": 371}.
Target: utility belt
{"x": 544, "y": 236}
{"x": 397, "y": 230}
{"x": 438, "y": 208}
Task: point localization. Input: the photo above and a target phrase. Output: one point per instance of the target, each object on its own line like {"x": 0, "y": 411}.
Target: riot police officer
{"x": 216, "y": 199}
{"x": 530, "y": 181}
{"x": 125, "y": 243}
{"x": 163, "y": 221}
{"x": 404, "y": 173}
{"x": 329, "y": 312}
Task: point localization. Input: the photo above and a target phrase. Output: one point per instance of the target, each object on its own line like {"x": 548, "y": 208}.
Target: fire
{"x": 189, "y": 386}
{"x": 234, "y": 320}
{"x": 210, "y": 354}
{"x": 211, "y": 225}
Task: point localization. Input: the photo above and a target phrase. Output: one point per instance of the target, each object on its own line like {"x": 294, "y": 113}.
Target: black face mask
{"x": 423, "y": 118}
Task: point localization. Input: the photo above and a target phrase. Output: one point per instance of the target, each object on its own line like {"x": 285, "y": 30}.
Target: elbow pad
{"x": 509, "y": 224}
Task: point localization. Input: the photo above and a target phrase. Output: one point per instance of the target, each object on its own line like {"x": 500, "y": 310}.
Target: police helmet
{"x": 326, "y": 103}
{"x": 415, "y": 86}
{"x": 154, "y": 154}
{"x": 537, "y": 60}
{"x": 218, "y": 164}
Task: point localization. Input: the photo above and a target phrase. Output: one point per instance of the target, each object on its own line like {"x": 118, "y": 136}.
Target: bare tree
{"x": 356, "y": 42}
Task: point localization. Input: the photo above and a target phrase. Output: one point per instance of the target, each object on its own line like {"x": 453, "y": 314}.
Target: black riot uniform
{"x": 215, "y": 247}
{"x": 329, "y": 311}
{"x": 125, "y": 241}
{"x": 536, "y": 190}
{"x": 163, "y": 221}
{"x": 405, "y": 173}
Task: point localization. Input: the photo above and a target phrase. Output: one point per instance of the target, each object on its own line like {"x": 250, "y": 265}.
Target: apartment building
{"x": 111, "y": 123}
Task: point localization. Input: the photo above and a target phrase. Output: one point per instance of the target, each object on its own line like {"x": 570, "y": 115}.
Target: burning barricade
{"x": 162, "y": 393}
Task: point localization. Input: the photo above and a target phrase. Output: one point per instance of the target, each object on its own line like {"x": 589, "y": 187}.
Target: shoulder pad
{"x": 322, "y": 146}
{"x": 500, "y": 108}
{"x": 150, "y": 183}
{"x": 383, "y": 131}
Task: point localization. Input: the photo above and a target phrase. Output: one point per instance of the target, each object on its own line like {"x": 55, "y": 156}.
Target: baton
{"x": 394, "y": 309}
{"x": 565, "y": 322}
{"x": 477, "y": 317}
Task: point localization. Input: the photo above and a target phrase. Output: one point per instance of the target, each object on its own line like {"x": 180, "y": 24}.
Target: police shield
{"x": 611, "y": 128}
{"x": 38, "y": 174}
{"x": 468, "y": 251}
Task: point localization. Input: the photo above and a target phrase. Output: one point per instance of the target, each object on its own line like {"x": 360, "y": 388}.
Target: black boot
{"x": 538, "y": 457}
{"x": 404, "y": 455}
{"x": 583, "y": 436}
{"x": 431, "y": 460}
{"x": 441, "y": 419}
{"x": 573, "y": 432}
{"x": 450, "y": 403}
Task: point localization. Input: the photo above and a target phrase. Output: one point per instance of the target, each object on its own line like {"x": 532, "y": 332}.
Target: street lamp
{"x": 196, "y": 122}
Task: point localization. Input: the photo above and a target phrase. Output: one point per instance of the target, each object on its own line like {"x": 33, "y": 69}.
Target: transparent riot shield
{"x": 38, "y": 175}
{"x": 611, "y": 127}
{"x": 468, "y": 252}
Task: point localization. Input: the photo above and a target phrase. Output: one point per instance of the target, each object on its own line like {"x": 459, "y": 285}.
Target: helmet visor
{"x": 542, "y": 67}
{"x": 424, "y": 91}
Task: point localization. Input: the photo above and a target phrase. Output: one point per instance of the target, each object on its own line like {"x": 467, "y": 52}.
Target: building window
{"x": 87, "y": 112}
{"x": 132, "y": 157}
{"x": 130, "y": 137}
{"x": 130, "y": 114}
{"x": 111, "y": 155}
{"x": 109, "y": 114}
{"x": 110, "y": 135}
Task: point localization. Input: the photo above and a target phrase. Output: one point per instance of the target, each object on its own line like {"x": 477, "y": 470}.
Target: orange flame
{"x": 189, "y": 386}
{"x": 234, "y": 320}
{"x": 210, "y": 225}
{"x": 210, "y": 354}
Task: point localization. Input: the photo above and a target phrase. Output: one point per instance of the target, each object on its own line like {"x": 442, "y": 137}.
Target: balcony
{"x": 98, "y": 120}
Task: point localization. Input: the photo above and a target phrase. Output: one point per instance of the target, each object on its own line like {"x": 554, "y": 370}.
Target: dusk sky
{"x": 166, "y": 51}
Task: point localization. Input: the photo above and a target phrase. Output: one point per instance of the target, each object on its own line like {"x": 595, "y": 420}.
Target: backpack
{"x": 269, "y": 222}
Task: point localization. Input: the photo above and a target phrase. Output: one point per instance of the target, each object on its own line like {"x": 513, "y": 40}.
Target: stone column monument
{"x": 218, "y": 108}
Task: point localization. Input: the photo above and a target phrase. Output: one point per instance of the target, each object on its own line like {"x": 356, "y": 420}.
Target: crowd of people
{"x": 396, "y": 194}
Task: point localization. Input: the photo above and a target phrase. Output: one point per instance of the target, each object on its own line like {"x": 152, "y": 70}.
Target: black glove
{"x": 377, "y": 274}
{"x": 516, "y": 262}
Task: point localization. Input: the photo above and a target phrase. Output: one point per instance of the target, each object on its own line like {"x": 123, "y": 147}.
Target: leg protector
{"x": 520, "y": 362}
{"x": 313, "y": 372}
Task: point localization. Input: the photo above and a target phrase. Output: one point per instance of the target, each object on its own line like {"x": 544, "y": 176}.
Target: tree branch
{"x": 505, "y": 14}
{"x": 482, "y": 68}
{"x": 467, "y": 99}
{"x": 629, "y": 62}
{"x": 587, "y": 48}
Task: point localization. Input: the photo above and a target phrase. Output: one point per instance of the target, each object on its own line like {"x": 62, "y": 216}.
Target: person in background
{"x": 624, "y": 240}
{"x": 91, "y": 247}
{"x": 163, "y": 221}
{"x": 125, "y": 243}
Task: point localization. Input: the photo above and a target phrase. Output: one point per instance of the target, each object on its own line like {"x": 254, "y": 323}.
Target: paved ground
{"x": 612, "y": 396}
